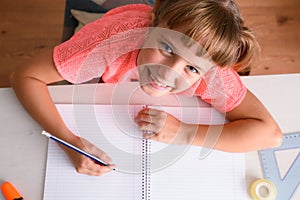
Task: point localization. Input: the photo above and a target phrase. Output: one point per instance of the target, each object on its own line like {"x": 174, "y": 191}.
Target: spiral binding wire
{"x": 146, "y": 163}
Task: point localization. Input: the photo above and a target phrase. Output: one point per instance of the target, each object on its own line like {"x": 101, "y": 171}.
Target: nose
{"x": 173, "y": 71}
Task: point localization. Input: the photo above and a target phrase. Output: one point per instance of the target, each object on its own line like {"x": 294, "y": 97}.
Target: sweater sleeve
{"x": 98, "y": 44}
{"x": 222, "y": 88}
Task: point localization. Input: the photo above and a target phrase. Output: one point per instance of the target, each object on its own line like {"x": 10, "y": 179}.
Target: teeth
{"x": 159, "y": 84}
{"x": 156, "y": 82}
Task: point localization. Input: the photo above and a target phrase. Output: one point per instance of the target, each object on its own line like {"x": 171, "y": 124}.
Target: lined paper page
{"x": 219, "y": 176}
{"x": 63, "y": 182}
{"x": 96, "y": 124}
{"x": 178, "y": 172}
{"x": 112, "y": 129}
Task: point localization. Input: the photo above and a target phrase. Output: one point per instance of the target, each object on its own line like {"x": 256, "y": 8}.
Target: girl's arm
{"x": 29, "y": 82}
{"x": 250, "y": 127}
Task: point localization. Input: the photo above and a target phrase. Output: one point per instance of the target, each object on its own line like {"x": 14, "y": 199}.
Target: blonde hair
{"x": 216, "y": 24}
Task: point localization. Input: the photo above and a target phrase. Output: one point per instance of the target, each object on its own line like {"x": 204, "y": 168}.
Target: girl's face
{"x": 167, "y": 65}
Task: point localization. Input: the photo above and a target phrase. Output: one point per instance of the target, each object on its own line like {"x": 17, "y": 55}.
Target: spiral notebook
{"x": 145, "y": 169}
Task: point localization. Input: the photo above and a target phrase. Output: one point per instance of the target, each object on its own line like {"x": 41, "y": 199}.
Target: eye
{"x": 166, "y": 48}
{"x": 192, "y": 69}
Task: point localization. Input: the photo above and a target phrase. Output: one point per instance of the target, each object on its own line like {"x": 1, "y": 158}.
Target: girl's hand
{"x": 165, "y": 127}
{"x": 85, "y": 165}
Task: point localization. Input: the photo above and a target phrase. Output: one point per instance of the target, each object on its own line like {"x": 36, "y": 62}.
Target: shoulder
{"x": 222, "y": 88}
{"x": 125, "y": 18}
{"x": 127, "y": 9}
{"x": 96, "y": 39}
{"x": 118, "y": 20}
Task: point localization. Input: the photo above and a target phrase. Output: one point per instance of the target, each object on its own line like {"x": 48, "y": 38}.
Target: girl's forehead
{"x": 181, "y": 45}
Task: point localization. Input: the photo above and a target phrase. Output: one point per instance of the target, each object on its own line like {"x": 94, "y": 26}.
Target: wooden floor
{"x": 28, "y": 26}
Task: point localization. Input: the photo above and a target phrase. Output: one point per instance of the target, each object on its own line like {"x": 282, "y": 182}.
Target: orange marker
{"x": 10, "y": 192}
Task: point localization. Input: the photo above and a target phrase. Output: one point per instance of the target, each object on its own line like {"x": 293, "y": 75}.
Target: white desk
{"x": 23, "y": 150}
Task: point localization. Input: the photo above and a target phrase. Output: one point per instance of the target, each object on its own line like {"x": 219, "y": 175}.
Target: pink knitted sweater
{"x": 108, "y": 48}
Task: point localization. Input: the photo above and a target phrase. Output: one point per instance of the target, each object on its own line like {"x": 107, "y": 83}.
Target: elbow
{"x": 17, "y": 78}
{"x": 275, "y": 137}
{"x": 278, "y": 137}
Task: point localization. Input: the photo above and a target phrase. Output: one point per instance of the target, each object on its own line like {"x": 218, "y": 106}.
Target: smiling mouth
{"x": 157, "y": 84}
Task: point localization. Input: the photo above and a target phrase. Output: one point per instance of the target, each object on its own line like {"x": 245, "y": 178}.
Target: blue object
{"x": 94, "y": 158}
{"x": 287, "y": 185}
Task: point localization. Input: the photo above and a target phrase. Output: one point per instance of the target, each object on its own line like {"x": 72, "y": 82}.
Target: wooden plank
{"x": 267, "y": 3}
{"x": 278, "y": 31}
{"x": 27, "y": 27}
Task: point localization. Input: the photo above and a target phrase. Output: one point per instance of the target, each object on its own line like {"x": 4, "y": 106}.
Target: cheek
{"x": 142, "y": 74}
{"x": 147, "y": 56}
{"x": 188, "y": 81}
{"x": 142, "y": 57}
{"x": 193, "y": 80}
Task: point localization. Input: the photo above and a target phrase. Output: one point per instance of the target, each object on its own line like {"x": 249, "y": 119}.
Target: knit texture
{"x": 108, "y": 48}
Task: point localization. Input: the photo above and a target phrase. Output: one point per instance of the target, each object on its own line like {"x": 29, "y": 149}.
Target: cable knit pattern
{"x": 108, "y": 47}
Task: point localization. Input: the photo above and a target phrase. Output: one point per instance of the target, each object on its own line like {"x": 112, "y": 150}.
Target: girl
{"x": 192, "y": 48}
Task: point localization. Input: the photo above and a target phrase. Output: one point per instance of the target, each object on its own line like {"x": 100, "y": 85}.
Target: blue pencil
{"x": 94, "y": 158}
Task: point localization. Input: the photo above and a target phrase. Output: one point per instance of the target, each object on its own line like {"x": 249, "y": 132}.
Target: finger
{"x": 143, "y": 118}
{"x": 103, "y": 169}
{"x": 150, "y": 111}
{"x": 151, "y": 116}
{"x": 94, "y": 169}
{"x": 103, "y": 156}
{"x": 147, "y": 132}
{"x": 95, "y": 151}
{"x": 150, "y": 136}
{"x": 98, "y": 170}
{"x": 93, "y": 172}
{"x": 145, "y": 126}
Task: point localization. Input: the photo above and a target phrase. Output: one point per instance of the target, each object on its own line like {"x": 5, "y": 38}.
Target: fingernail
{"x": 148, "y": 132}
